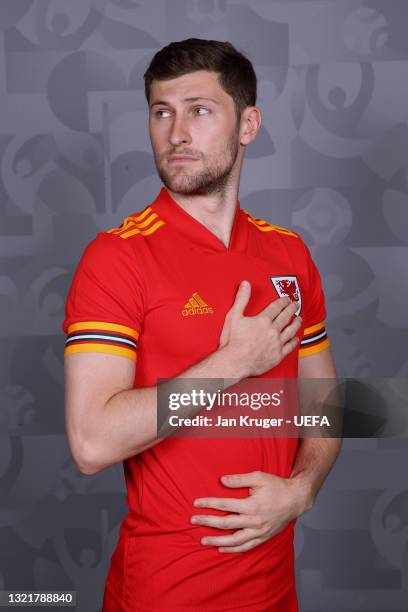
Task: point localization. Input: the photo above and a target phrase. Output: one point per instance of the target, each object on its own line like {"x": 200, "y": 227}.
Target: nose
{"x": 179, "y": 132}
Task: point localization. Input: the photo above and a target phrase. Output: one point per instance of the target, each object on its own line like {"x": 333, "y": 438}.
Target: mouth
{"x": 181, "y": 159}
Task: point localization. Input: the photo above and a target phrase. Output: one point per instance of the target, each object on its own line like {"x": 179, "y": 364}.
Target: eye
{"x": 161, "y": 111}
{"x": 202, "y": 108}
{"x": 197, "y": 108}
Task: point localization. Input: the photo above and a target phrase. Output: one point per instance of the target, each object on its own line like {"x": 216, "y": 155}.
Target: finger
{"x": 231, "y": 521}
{"x": 274, "y": 308}
{"x": 223, "y": 503}
{"x": 250, "y": 479}
{"x": 235, "y": 539}
{"x": 289, "y": 346}
{"x": 247, "y": 546}
{"x": 241, "y": 299}
{"x": 285, "y": 316}
{"x": 290, "y": 330}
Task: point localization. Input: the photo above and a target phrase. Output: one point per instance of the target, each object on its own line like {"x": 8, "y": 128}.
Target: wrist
{"x": 232, "y": 364}
{"x": 305, "y": 496}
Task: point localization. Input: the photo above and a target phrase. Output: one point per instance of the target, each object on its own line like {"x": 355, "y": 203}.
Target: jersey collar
{"x": 173, "y": 214}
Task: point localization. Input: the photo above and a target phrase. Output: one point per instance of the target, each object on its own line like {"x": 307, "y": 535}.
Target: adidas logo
{"x": 196, "y": 306}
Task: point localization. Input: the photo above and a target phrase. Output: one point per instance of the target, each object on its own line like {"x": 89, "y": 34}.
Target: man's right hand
{"x": 260, "y": 342}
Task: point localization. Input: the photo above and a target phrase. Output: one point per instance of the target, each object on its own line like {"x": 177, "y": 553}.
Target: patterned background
{"x": 331, "y": 161}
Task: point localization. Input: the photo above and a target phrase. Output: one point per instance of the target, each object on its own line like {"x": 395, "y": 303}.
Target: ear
{"x": 250, "y": 123}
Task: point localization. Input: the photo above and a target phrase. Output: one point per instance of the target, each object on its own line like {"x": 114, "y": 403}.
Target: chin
{"x": 179, "y": 184}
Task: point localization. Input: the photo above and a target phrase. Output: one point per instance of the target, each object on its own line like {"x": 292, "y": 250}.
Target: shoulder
{"x": 265, "y": 227}
{"x": 285, "y": 240}
{"x": 126, "y": 240}
{"x": 269, "y": 231}
{"x": 137, "y": 225}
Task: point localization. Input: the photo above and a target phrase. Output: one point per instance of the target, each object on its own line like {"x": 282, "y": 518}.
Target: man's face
{"x": 183, "y": 121}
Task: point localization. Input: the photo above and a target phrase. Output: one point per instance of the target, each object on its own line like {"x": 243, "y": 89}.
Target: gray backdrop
{"x": 331, "y": 161}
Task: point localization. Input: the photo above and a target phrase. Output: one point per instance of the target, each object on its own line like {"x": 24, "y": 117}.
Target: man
{"x": 191, "y": 285}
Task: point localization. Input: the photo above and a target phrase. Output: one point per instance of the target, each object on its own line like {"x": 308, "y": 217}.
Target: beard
{"x": 212, "y": 179}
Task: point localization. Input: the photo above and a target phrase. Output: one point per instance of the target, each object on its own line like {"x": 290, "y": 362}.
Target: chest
{"x": 189, "y": 296}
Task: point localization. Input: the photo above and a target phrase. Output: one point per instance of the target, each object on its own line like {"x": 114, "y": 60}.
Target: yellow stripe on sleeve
{"x": 99, "y": 325}
{"x": 313, "y": 328}
{"x": 100, "y": 348}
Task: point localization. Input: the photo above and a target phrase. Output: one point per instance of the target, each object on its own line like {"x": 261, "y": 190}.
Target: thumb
{"x": 242, "y": 298}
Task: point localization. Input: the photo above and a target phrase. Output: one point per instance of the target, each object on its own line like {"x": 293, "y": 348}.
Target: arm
{"x": 107, "y": 420}
{"x": 315, "y": 456}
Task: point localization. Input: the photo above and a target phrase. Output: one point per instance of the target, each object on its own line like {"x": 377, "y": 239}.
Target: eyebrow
{"x": 195, "y": 99}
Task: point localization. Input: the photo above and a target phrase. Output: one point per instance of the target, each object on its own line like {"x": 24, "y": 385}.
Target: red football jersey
{"x": 157, "y": 289}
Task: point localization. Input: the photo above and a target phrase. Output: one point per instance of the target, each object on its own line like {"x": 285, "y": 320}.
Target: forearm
{"x": 127, "y": 424}
{"x": 313, "y": 462}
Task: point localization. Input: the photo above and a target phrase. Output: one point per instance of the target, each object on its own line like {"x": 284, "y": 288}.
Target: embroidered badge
{"x": 288, "y": 286}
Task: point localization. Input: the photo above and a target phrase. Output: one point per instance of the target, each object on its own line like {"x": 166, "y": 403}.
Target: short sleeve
{"x": 313, "y": 310}
{"x": 104, "y": 306}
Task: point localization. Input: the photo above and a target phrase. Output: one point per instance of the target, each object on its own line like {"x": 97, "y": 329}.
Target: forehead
{"x": 201, "y": 83}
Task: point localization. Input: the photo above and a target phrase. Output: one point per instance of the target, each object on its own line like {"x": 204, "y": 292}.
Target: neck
{"x": 216, "y": 211}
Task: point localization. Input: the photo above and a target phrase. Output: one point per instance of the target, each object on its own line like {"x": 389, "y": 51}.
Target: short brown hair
{"x": 237, "y": 75}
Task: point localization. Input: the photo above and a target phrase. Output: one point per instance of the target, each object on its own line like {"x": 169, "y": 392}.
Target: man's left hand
{"x": 272, "y": 503}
